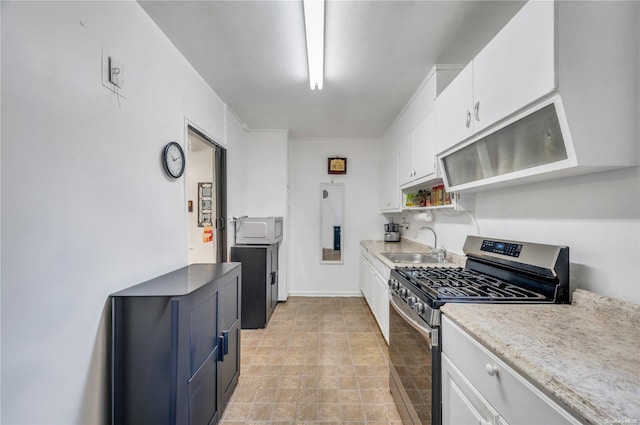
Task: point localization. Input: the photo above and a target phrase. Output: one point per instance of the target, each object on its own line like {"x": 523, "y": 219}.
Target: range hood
{"x": 528, "y": 146}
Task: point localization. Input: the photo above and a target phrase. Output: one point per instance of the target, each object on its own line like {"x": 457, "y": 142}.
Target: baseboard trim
{"x": 325, "y": 294}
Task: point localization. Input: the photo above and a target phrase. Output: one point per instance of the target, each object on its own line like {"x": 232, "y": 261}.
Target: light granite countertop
{"x": 408, "y": 246}
{"x": 585, "y": 355}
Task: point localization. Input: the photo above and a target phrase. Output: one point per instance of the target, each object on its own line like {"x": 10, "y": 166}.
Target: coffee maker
{"x": 392, "y": 232}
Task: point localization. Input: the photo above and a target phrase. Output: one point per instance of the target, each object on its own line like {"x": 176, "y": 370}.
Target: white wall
{"x": 265, "y": 165}
{"x": 597, "y": 216}
{"x": 86, "y": 207}
{"x": 308, "y": 168}
{"x": 236, "y": 170}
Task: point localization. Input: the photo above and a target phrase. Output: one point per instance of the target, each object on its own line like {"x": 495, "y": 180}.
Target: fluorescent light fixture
{"x": 314, "y": 28}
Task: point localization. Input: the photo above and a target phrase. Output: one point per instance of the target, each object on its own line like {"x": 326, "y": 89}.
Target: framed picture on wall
{"x": 337, "y": 165}
{"x": 205, "y": 204}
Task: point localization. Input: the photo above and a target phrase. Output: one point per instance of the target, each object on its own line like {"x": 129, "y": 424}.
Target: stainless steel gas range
{"x": 496, "y": 271}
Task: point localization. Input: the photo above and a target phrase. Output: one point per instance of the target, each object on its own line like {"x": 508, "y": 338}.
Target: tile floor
{"x": 319, "y": 361}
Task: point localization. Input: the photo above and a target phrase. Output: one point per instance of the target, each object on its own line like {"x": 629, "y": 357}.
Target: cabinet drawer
{"x": 516, "y": 399}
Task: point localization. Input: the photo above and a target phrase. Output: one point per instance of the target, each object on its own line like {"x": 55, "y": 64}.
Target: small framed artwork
{"x": 337, "y": 165}
{"x": 205, "y": 204}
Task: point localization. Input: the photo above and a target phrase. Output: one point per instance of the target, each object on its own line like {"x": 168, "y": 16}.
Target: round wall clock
{"x": 173, "y": 160}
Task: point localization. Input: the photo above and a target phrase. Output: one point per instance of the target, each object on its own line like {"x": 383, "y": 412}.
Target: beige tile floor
{"x": 319, "y": 361}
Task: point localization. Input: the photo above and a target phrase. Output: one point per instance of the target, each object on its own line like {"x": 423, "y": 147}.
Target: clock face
{"x": 173, "y": 160}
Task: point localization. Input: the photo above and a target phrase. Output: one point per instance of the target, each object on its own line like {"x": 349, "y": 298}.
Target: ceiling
{"x": 253, "y": 54}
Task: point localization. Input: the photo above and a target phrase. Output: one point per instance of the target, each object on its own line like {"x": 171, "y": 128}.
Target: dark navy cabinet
{"x": 176, "y": 346}
{"x": 259, "y": 282}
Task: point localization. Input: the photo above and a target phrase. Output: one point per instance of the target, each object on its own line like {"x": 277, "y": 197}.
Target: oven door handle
{"x": 428, "y": 333}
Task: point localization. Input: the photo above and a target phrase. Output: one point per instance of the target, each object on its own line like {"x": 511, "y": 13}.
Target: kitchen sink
{"x": 409, "y": 257}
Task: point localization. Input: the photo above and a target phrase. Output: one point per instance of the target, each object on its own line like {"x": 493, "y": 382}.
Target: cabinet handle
{"x": 224, "y": 345}
{"x": 221, "y": 348}
{"x": 476, "y": 111}
{"x": 492, "y": 370}
{"x": 468, "y": 118}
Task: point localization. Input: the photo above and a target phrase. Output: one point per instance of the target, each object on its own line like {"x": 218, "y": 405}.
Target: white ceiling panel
{"x": 252, "y": 53}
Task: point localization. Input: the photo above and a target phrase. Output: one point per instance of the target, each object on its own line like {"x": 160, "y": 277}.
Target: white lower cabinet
{"x": 366, "y": 279}
{"x": 373, "y": 284}
{"x": 381, "y": 302}
{"x": 479, "y": 388}
{"x": 462, "y": 404}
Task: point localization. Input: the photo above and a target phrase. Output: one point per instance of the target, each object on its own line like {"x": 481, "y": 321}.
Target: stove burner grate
{"x": 459, "y": 283}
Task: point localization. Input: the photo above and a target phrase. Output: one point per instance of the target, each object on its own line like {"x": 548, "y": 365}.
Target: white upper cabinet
{"x": 413, "y": 133}
{"x": 554, "y": 94}
{"x": 513, "y": 70}
{"x": 405, "y": 168}
{"x": 454, "y": 111}
{"x": 424, "y": 147}
{"x": 390, "y": 185}
{"x": 417, "y": 152}
{"x": 516, "y": 67}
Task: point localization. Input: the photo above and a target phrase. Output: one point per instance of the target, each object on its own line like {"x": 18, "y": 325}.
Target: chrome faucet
{"x": 440, "y": 253}
{"x": 435, "y": 237}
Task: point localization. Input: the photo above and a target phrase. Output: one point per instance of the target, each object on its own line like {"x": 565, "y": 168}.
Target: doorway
{"x": 206, "y": 199}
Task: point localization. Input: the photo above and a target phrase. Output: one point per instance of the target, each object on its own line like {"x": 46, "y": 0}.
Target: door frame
{"x": 220, "y": 181}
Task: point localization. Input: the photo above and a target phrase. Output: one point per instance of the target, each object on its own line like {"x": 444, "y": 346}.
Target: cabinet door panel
{"x": 461, "y": 402}
{"x": 459, "y": 409}
{"x": 204, "y": 338}
{"x": 405, "y": 168}
{"x": 203, "y": 397}
{"x": 382, "y": 306}
{"x": 256, "y": 266}
{"x": 517, "y": 66}
{"x": 368, "y": 286}
{"x": 363, "y": 271}
{"x": 454, "y": 109}
{"x": 424, "y": 139}
{"x": 273, "y": 279}
{"x": 390, "y": 184}
{"x": 230, "y": 325}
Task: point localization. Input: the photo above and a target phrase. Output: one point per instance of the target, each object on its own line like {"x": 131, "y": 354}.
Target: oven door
{"x": 414, "y": 365}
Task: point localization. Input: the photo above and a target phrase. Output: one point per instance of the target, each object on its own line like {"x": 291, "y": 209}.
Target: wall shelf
{"x": 459, "y": 202}
{"x": 438, "y": 207}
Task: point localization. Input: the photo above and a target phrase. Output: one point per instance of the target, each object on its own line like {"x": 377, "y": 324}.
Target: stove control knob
{"x": 419, "y": 308}
{"x": 403, "y": 292}
{"x": 411, "y": 301}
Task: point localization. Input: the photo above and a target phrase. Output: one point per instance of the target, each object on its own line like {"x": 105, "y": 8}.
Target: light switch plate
{"x": 116, "y": 73}
{"x": 107, "y": 62}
